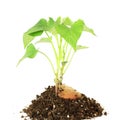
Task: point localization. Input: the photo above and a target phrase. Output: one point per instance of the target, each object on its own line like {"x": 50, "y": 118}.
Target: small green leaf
{"x": 64, "y": 63}
{"x": 31, "y": 52}
{"x": 50, "y": 24}
{"x": 46, "y": 40}
{"x": 51, "y": 27}
{"x": 58, "y": 21}
{"x": 67, "y": 21}
{"x": 81, "y": 47}
{"x": 87, "y": 29}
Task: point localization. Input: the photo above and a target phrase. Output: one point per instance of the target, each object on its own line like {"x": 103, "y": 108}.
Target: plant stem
{"x": 55, "y": 53}
{"x": 69, "y": 63}
{"x": 52, "y": 45}
{"x": 49, "y": 61}
{"x": 57, "y": 56}
{"x": 60, "y": 51}
{"x": 69, "y": 53}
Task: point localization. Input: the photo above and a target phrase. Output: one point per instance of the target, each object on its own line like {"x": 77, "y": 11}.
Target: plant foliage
{"x": 65, "y": 32}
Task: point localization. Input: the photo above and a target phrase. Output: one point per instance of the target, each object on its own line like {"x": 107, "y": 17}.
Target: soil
{"x": 49, "y": 106}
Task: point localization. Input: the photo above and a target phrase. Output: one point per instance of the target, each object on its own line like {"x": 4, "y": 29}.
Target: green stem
{"x": 55, "y": 53}
{"x": 60, "y": 51}
{"x": 65, "y": 46}
{"x": 63, "y": 54}
{"x": 69, "y": 53}
{"x": 58, "y": 73}
{"x": 49, "y": 61}
{"x": 69, "y": 62}
{"x": 57, "y": 56}
{"x": 52, "y": 45}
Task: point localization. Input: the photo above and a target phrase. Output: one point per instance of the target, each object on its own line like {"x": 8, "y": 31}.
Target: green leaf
{"x": 67, "y": 21}
{"x": 27, "y": 39}
{"x": 46, "y": 40}
{"x": 77, "y": 29}
{"x": 51, "y": 27}
{"x": 87, "y": 29}
{"x": 31, "y": 52}
{"x": 71, "y": 34}
{"x": 34, "y": 34}
{"x": 37, "y": 30}
{"x": 40, "y": 26}
{"x": 50, "y": 24}
{"x": 64, "y": 63}
{"x": 81, "y": 47}
{"x": 58, "y": 21}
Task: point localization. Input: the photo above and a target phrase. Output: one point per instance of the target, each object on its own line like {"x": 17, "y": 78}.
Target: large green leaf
{"x": 37, "y": 30}
{"x": 71, "y": 34}
{"x": 38, "y": 33}
{"x": 40, "y": 26}
{"x": 27, "y": 39}
{"x": 77, "y": 29}
{"x": 31, "y": 52}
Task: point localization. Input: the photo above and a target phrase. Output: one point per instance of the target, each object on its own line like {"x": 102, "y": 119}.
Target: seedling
{"x": 63, "y": 35}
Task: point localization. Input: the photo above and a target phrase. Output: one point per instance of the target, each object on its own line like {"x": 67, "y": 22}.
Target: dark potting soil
{"x": 48, "y": 106}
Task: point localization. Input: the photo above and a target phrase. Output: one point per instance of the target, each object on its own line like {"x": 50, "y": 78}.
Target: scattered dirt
{"x": 48, "y": 106}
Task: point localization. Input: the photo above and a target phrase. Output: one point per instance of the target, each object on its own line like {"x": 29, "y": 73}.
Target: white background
{"x": 94, "y": 72}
